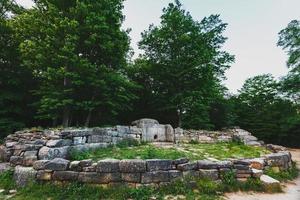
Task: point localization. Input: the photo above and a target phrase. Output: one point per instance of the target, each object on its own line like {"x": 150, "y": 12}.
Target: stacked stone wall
{"x": 138, "y": 172}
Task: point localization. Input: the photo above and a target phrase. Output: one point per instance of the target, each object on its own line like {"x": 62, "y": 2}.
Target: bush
{"x": 128, "y": 142}
{"x": 285, "y": 175}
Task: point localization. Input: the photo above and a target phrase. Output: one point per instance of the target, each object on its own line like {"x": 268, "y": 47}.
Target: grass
{"x": 189, "y": 188}
{"x": 219, "y": 151}
{"x": 285, "y": 175}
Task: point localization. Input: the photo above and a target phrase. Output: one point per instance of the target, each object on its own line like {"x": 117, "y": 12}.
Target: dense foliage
{"x": 182, "y": 67}
{"x": 67, "y": 63}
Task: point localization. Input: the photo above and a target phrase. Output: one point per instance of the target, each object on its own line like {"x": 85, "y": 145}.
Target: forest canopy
{"x": 67, "y": 63}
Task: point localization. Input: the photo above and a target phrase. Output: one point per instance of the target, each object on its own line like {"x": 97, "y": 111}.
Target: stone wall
{"x": 145, "y": 172}
{"x": 25, "y": 147}
{"x": 42, "y": 155}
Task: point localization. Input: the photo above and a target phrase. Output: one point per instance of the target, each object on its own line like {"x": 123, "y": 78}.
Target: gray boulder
{"x": 40, "y": 164}
{"x": 57, "y": 164}
{"x": 24, "y": 175}
{"x": 46, "y": 153}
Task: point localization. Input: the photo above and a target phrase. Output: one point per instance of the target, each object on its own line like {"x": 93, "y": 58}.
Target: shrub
{"x": 284, "y": 175}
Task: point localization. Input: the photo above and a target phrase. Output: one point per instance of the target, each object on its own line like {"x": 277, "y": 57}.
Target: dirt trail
{"x": 291, "y": 189}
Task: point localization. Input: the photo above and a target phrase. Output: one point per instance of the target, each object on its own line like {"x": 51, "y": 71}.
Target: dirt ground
{"x": 291, "y": 189}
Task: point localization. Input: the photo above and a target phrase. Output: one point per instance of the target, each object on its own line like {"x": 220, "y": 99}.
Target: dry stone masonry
{"x": 43, "y": 155}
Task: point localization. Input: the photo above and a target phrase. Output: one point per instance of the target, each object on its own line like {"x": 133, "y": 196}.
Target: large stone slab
{"x": 159, "y": 165}
{"x": 65, "y": 176}
{"x": 99, "y": 178}
{"x": 46, "y": 153}
{"x": 108, "y": 165}
{"x": 44, "y": 175}
{"x": 40, "y": 164}
{"x": 59, "y": 143}
{"x": 188, "y": 166}
{"x": 211, "y": 174}
{"x": 131, "y": 177}
{"x": 131, "y": 166}
{"x": 155, "y": 177}
{"x": 206, "y": 164}
{"x": 24, "y": 175}
{"x": 57, "y": 164}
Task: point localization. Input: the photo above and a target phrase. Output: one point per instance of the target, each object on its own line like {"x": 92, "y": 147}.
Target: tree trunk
{"x": 66, "y": 117}
{"x": 88, "y": 119}
{"x": 179, "y": 115}
{"x": 66, "y": 110}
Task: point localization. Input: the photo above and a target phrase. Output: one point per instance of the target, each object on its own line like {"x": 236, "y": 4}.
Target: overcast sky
{"x": 252, "y": 32}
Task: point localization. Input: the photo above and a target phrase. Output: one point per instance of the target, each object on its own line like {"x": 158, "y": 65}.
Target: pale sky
{"x": 252, "y": 31}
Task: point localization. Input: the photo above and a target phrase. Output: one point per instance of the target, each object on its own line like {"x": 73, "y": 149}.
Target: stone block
{"x": 155, "y": 177}
{"x": 257, "y": 173}
{"x": 257, "y": 163}
{"x": 24, "y": 175}
{"x": 29, "y": 160}
{"x": 175, "y": 174}
{"x": 131, "y": 177}
{"x": 4, "y": 167}
{"x": 191, "y": 174}
{"x": 238, "y": 175}
{"x": 57, "y": 164}
{"x": 46, "y": 153}
{"x": 86, "y": 163}
{"x": 242, "y": 167}
{"x": 40, "y": 164}
{"x": 180, "y": 161}
{"x": 212, "y": 174}
{"x": 79, "y": 140}
{"x": 270, "y": 183}
{"x": 131, "y": 166}
{"x": 65, "y": 175}
{"x": 99, "y": 139}
{"x": 206, "y": 164}
{"x": 159, "y": 165}
{"x": 44, "y": 175}
{"x": 188, "y": 166}
{"x": 16, "y": 160}
{"x": 108, "y": 165}
{"x": 59, "y": 143}
{"x": 99, "y": 178}
{"x": 30, "y": 153}
{"x": 74, "y": 166}
{"x": 224, "y": 164}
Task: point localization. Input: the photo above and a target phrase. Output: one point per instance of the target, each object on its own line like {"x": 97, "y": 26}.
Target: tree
{"x": 261, "y": 110}
{"x": 186, "y": 64}
{"x": 289, "y": 40}
{"x": 77, "y": 53}
{"x": 15, "y": 82}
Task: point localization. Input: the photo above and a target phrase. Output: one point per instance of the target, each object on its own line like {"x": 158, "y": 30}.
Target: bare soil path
{"x": 291, "y": 189}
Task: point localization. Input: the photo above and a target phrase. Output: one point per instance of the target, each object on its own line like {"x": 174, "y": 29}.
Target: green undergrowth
{"x": 285, "y": 175}
{"x": 189, "y": 188}
{"x": 194, "y": 151}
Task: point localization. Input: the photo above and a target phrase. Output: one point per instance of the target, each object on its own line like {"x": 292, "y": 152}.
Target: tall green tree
{"x": 262, "y": 110}
{"x": 77, "y": 53}
{"x": 289, "y": 40}
{"x": 15, "y": 82}
{"x": 185, "y": 65}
